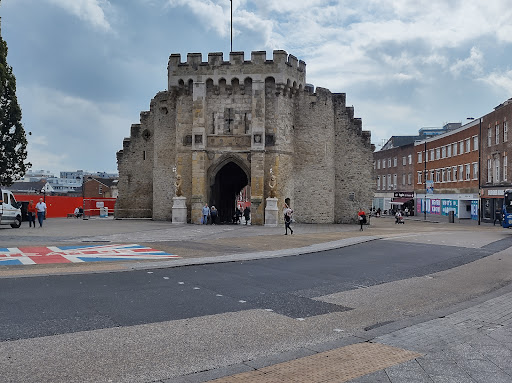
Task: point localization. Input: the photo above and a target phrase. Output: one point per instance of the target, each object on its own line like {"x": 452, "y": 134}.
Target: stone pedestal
{"x": 271, "y": 212}
{"x": 179, "y": 210}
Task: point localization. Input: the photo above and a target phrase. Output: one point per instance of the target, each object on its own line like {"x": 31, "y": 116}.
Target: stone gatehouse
{"x": 223, "y": 125}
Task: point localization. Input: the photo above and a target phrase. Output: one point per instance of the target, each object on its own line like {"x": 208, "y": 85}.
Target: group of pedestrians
{"x": 39, "y": 210}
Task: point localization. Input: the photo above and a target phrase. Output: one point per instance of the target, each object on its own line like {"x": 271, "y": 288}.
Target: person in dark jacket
{"x": 247, "y": 214}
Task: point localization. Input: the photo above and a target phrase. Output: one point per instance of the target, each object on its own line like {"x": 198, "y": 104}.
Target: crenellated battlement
{"x": 284, "y": 68}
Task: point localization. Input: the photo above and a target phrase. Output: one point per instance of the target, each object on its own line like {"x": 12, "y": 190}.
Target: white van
{"x": 10, "y": 210}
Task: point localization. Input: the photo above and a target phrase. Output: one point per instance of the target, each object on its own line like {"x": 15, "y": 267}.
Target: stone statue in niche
{"x": 177, "y": 186}
{"x": 272, "y": 184}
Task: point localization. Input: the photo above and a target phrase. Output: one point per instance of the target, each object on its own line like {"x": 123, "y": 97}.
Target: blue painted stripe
{"x": 94, "y": 259}
{"x": 76, "y": 247}
{"x": 4, "y": 249}
{"x": 10, "y": 262}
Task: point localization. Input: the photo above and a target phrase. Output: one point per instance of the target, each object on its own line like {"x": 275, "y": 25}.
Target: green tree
{"x": 13, "y": 142}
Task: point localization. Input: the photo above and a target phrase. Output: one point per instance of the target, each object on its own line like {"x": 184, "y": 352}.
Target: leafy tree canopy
{"x": 13, "y": 142}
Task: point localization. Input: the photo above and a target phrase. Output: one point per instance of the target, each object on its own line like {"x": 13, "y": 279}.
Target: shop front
{"x": 492, "y": 203}
{"x": 463, "y": 206}
{"x": 403, "y": 201}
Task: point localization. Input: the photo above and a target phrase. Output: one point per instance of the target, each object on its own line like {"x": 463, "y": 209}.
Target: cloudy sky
{"x": 85, "y": 69}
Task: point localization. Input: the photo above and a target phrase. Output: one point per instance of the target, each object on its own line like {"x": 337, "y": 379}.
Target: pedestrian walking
{"x": 213, "y": 215}
{"x": 41, "y": 212}
{"x": 497, "y": 217}
{"x": 361, "y": 216}
{"x": 206, "y": 214}
{"x": 237, "y": 216}
{"x": 247, "y": 214}
{"x": 288, "y": 212}
{"x": 31, "y": 212}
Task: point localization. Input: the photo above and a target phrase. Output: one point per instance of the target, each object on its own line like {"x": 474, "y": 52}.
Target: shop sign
{"x": 404, "y": 194}
{"x": 491, "y": 192}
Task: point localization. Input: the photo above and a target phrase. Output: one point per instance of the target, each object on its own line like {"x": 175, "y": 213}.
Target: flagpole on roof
{"x": 231, "y": 1}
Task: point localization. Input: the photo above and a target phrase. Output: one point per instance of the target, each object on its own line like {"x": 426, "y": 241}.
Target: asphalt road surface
{"x": 42, "y": 306}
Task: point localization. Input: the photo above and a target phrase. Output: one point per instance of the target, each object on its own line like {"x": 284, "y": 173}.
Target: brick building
{"x": 495, "y": 177}
{"x": 395, "y": 172}
{"x": 95, "y": 187}
{"x": 447, "y": 171}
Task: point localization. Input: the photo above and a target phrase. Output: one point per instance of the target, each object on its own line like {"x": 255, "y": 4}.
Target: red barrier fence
{"x": 60, "y": 206}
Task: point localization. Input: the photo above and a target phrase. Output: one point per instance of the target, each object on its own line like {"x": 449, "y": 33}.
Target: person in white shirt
{"x": 41, "y": 211}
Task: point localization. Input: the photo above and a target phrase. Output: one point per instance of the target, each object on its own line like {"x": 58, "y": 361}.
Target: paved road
{"x": 120, "y": 326}
{"x": 41, "y": 306}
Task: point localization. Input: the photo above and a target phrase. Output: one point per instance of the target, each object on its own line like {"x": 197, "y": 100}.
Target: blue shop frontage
{"x": 464, "y": 206}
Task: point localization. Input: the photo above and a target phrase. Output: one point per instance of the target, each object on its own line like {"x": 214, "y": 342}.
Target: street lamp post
{"x": 479, "y": 172}
{"x": 425, "y": 180}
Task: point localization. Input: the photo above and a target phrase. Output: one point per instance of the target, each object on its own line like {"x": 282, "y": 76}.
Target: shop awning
{"x": 400, "y": 201}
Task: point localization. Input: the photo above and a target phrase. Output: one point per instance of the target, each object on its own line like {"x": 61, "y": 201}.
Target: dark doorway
{"x": 228, "y": 182}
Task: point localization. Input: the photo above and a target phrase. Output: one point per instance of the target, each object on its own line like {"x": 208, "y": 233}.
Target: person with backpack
{"x": 288, "y": 212}
{"x": 361, "y": 216}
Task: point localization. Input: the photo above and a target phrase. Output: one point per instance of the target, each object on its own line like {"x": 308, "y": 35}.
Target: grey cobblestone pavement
{"x": 471, "y": 345}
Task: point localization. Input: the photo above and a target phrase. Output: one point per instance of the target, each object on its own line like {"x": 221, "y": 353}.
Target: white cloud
{"x": 91, "y": 11}
{"x": 213, "y": 16}
{"x": 473, "y": 63}
{"x": 500, "y": 82}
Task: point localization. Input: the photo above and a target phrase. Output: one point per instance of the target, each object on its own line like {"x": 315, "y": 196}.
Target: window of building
{"x": 461, "y": 147}
{"x": 438, "y": 153}
{"x": 438, "y": 176}
{"x": 432, "y": 175}
{"x": 505, "y": 131}
{"x": 475, "y": 142}
{"x": 475, "y": 170}
{"x": 100, "y": 190}
{"x": 420, "y": 157}
{"x": 395, "y": 179}
{"x": 455, "y": 173}
{"x": 497, "y": 169}
{"x": 384, "y": 163}
{"x": 497, "y": 134}
{"x": 468, "y": 172}
{"x": 389, "y": 182}
{"x": 378, "y": 164}
{"x": 395, "y": 162}
{"x": 489, "y": 170}
{"x": 443, "y": 152}
{"x": 389, "y": 162}
{"x": 505, "y": 164}
{"x": 489, "y": 137}
{"x": 404, "y": 160}
{"x": 409, "y": 178}
{"x": 448, "y": 174}
{"x": 431, "y": 154}
{"x": 383, "y": 182}
{"x": 420, "y": 181}
{"x": 449, "y": 150}
{"x": 409, "y": 157}
{"x": 403, "y": 179}
{"x": 443, "y": 175}
{"x": 378, "y": 182}
{"x": 468, "y": 145}
{"x": 461, "y": 172}
{"x": 454, "y": 149}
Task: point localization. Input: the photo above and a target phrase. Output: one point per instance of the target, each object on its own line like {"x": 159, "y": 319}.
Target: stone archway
{"x": 226, "y": 181}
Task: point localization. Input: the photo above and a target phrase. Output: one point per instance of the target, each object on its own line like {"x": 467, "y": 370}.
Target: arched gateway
{"x": 222, "y": 125}
{"x": 227, "y": 179}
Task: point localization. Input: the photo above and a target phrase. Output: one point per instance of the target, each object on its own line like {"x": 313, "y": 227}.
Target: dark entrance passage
{"x": 229, "y": 181}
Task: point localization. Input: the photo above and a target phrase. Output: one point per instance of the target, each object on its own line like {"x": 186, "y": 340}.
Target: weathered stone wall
{"x": 354, "y": 186}
{"x": 260, "y": 115}
{"x": 314, "y": 159}
{"x": 135, "y": 165}
{"x": 163, "y": 109}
